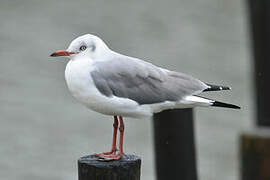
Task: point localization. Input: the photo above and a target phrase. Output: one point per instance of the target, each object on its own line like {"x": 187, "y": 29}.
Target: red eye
{"x": 82, "y": 48}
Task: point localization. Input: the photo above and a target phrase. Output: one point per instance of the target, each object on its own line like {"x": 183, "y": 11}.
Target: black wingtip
{"x": 225, "y": 105}
{"x": 216, "y": 88}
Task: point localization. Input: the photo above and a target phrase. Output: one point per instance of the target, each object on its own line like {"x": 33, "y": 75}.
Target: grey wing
{"x": 143, "y": 82}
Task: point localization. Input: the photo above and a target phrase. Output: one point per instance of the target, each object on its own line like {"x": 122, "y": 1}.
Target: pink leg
{"x": 115, "y": 127}
{"x": 121, "y": 152}
{"x": 121, "y": 129}
{"x": 114, "y": 149}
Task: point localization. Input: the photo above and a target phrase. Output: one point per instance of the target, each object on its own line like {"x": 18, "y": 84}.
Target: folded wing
{"x": 142, "y": 82}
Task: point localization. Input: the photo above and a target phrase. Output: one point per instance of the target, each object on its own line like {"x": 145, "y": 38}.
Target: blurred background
{"x": 43, "y": 130}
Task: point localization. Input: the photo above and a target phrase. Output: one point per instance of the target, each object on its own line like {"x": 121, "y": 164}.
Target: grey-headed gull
{"x": 122, "y": 86}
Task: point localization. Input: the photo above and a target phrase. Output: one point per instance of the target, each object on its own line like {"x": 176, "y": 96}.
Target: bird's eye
{"x": 82, "y": 48}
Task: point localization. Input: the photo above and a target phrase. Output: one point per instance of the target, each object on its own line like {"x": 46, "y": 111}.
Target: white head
{"x": 87, "y": 45}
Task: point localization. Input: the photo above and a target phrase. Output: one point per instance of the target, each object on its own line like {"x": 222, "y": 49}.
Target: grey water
{"x": 43, "y": 130}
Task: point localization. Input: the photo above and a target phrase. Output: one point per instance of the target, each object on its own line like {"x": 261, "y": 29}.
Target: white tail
{"x": 201, "y": 101}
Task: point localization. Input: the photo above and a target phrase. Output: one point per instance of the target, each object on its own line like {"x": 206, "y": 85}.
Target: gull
{"x": 121, "y": 86}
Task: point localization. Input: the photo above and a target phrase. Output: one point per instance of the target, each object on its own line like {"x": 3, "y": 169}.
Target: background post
{"x": 259, "y": 13}
{"x": 255, "y": 145}
{"x": 174, "y": 145}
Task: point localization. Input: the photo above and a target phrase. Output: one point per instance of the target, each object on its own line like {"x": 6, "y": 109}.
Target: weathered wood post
{"x": 255, "y": 145}
{"x": 255, "y": 155}
{"x": 174, "y": 145}
{"x": 127, "y": 168}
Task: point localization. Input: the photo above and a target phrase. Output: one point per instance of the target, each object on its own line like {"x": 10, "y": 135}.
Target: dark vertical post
{"x": 174, "y": 145}
{"x": 259, "y": 12}
{"x": 255, "y": 145}
{"x": 127, "y": 168}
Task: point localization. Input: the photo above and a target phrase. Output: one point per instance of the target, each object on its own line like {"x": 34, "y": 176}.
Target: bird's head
{"x": 87, "y": 45}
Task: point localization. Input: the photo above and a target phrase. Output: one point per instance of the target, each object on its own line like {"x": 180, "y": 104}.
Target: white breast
{"x": 78, "y": 79}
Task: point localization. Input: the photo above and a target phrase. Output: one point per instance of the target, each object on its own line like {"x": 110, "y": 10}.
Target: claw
{"x": 110, "y": 157}
{"x": 112, "y": 152}
{"x": 101, "y": 154}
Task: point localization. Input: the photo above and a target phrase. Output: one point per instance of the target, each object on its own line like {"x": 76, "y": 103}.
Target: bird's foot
{"x": 110, "y": 157}
{"x": 112, "y": 152}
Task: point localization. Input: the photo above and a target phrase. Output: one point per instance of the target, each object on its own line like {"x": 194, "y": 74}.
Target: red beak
{"x": 61, "y": 53}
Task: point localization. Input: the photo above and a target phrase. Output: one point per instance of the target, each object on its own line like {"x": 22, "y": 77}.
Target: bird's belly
{"x": 82, "y": 87}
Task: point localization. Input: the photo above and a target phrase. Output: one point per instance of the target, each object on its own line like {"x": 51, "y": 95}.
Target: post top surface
{"x": 126, "y": 160}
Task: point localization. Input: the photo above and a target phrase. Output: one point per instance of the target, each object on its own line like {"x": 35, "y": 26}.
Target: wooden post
{"x": 255, "y": 155}
{"x": 259, "y": 13}
{"x": 255, "y": 145}
{"x": 174, "y": 145}
{"x": 127, "y": 168}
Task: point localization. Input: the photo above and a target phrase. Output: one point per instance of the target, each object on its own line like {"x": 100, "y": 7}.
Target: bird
{"x": 121, "y": 86}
